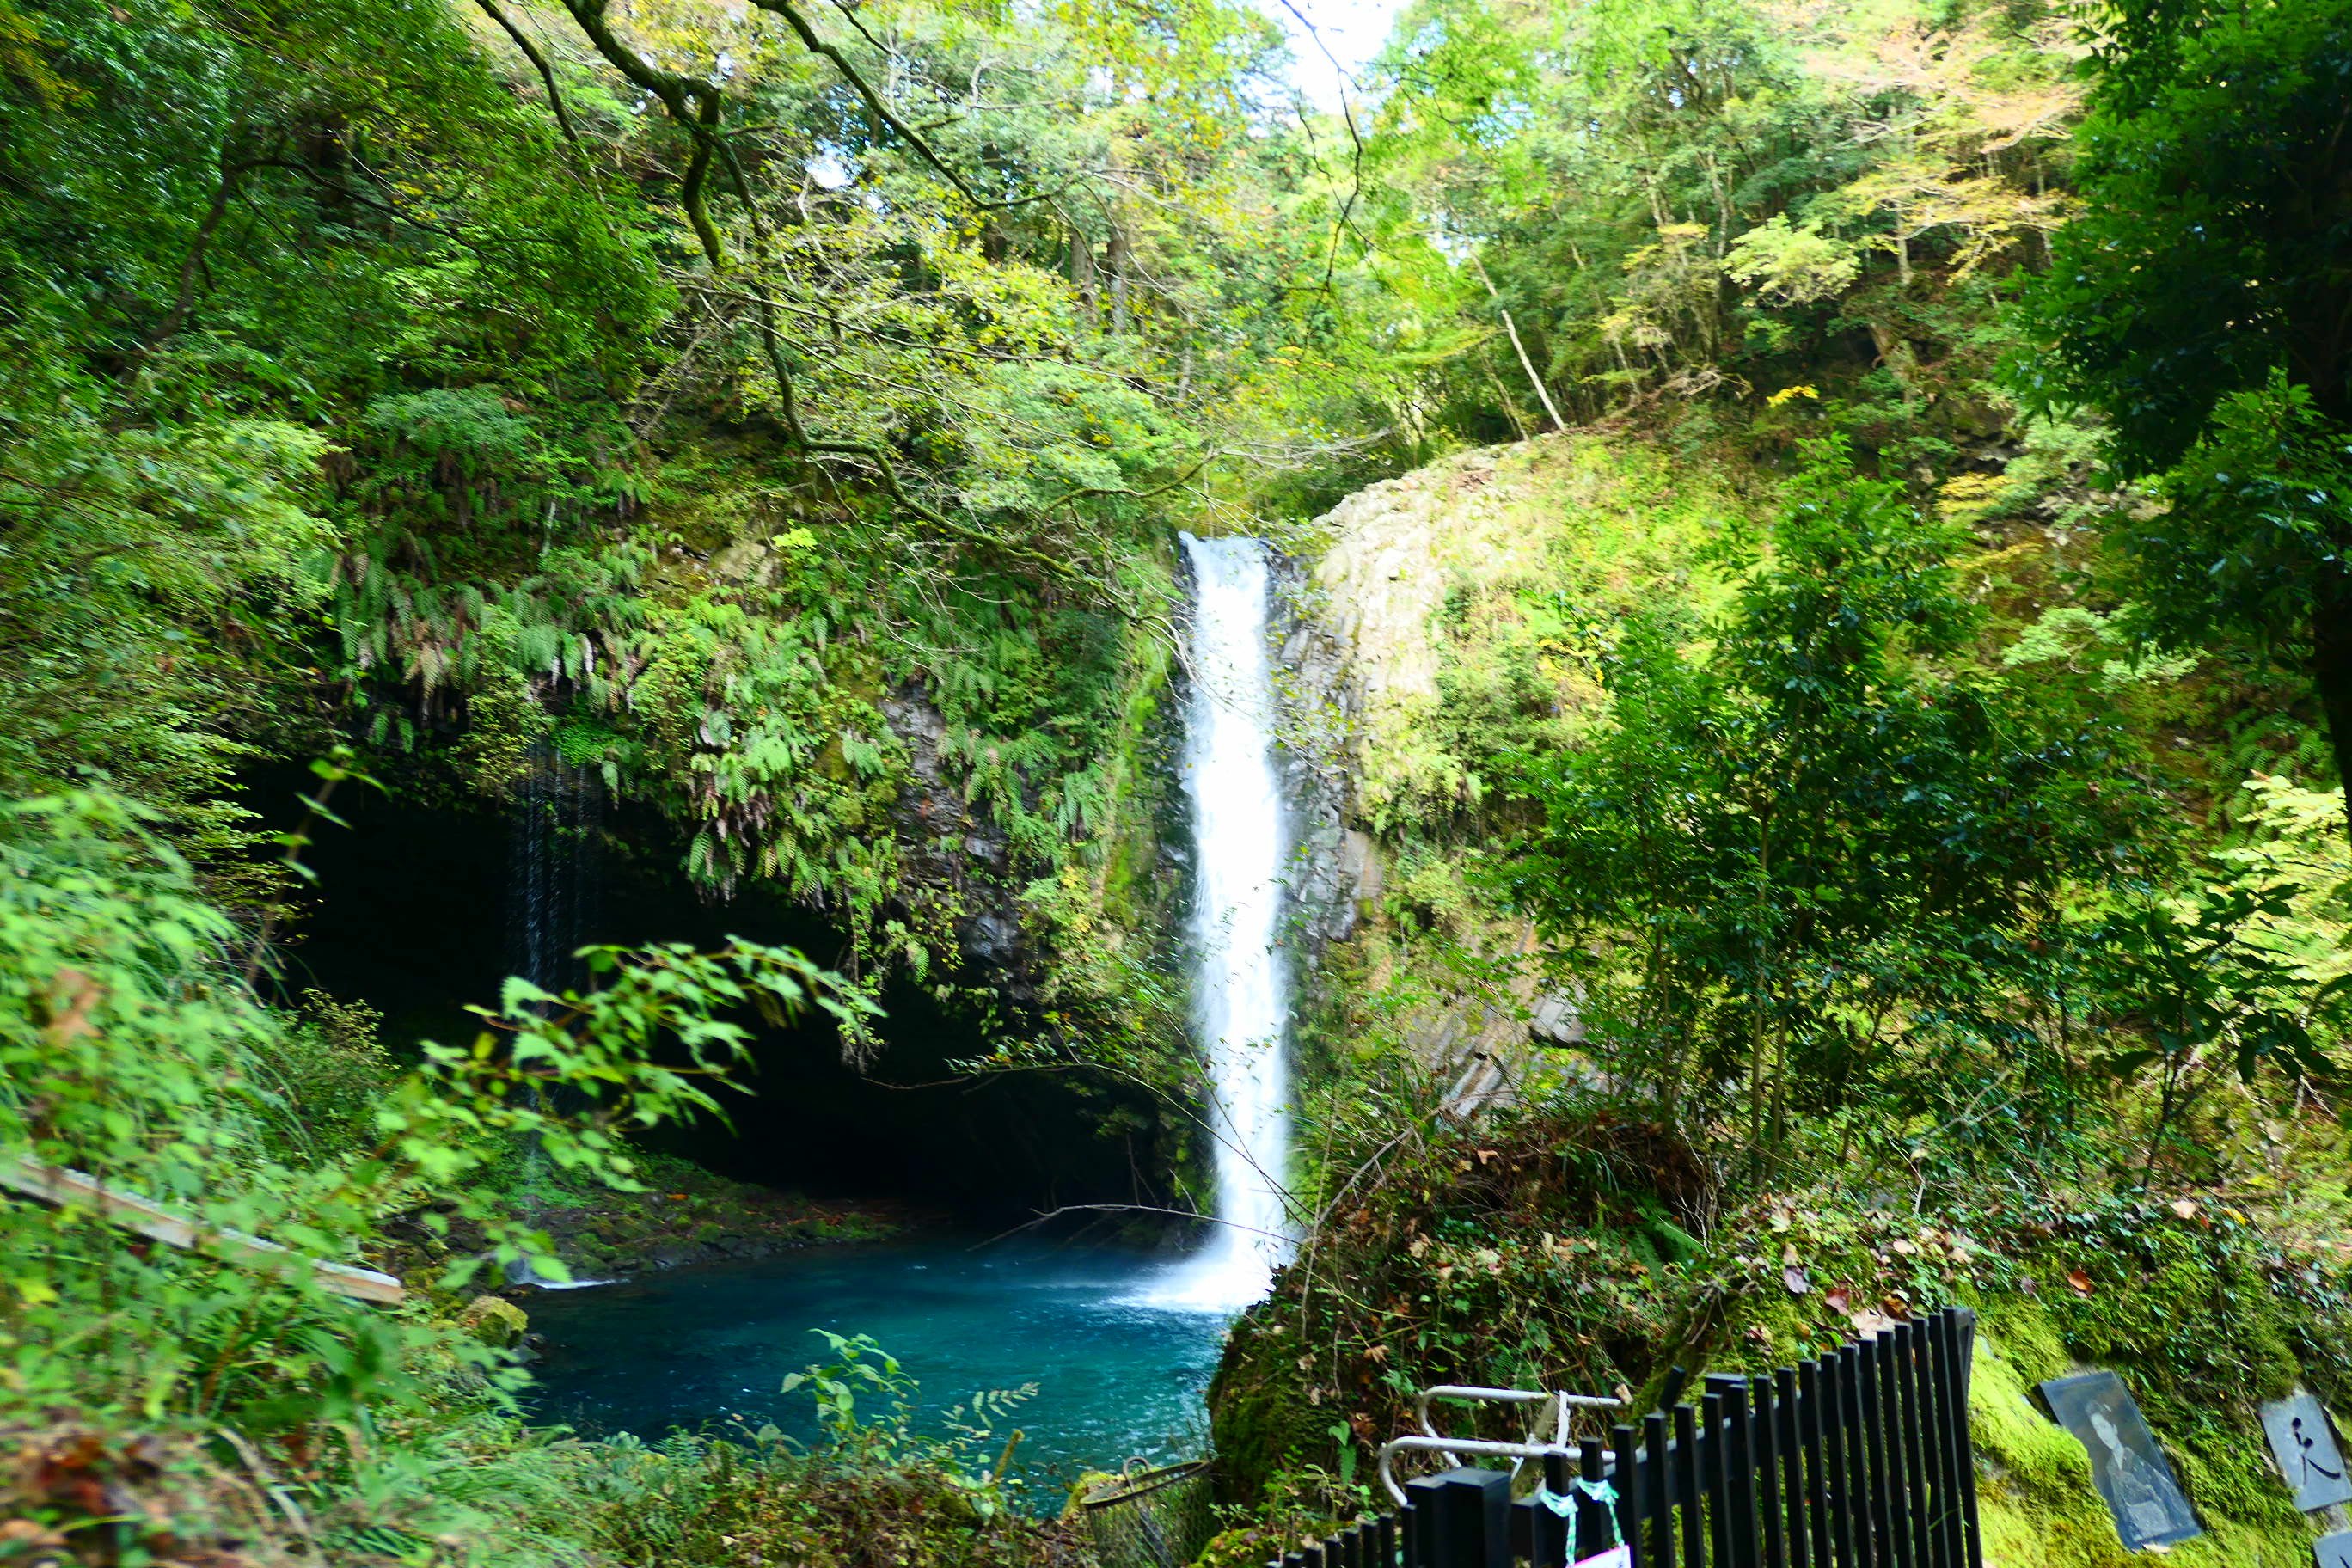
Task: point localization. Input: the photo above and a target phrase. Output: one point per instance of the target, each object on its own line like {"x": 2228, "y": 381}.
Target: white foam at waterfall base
{"x": 1240, "y": 987}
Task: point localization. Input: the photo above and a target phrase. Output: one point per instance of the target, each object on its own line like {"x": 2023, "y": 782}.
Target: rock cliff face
{"x": 1427, "y": 621}
{"x": 1361, "y": 647}
{"x": 956, "y": 848}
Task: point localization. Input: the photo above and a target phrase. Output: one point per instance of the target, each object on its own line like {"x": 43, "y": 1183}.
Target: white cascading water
{"x": 1241, "y": 986}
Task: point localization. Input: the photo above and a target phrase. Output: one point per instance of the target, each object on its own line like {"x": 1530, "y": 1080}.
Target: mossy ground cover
{"x": 1555, "y": 1248}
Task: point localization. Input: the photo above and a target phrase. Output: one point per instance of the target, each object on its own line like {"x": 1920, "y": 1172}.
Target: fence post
{"x": 1786, "y": 1408}
{"x": 1686, "y": 1487}
{"x": 1860, "y": 1459}
{"x": 1909, "y": 1390}
{"x": 1715, "y": 1450}
{"x": 1963, "y": 1354}
{"x": 1739, "y": 1499}
{"x": 1462, "y": 1519}
{"x": 1865, "y": 1462}
{"x": 1592, "y": 1521}
{"x": 1630, "y": 1488}
{"x": 1549, "y": 1529}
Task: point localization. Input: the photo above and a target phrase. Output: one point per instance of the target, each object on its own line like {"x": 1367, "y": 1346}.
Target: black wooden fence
{"x": 1860, "y": 1459}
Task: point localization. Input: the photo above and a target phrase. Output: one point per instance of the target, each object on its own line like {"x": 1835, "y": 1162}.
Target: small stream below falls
{"x": 705, "y": 1348}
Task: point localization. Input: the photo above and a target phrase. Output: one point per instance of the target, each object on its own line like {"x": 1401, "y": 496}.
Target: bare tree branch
{"x": 531, "y": 52}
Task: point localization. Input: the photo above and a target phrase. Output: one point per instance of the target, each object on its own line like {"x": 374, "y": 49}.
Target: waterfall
{"x": 551, "y": 882}
{"x": 1241, "y": 983}
{"x": 554, "y": 908}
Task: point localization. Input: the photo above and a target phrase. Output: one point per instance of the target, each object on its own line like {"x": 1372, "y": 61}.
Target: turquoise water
{"x": 705, "y": 1348}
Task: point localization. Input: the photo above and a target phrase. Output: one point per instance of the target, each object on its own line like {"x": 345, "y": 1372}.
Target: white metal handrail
{"x": 1430, "y": 1440}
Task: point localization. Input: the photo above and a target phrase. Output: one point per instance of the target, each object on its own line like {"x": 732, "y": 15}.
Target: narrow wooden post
{"x": 1739, "y": 1458}
{"x": 1594, "y": 1523}
{"x": 1810, "y": 1393}
{"x": 1550, "y": 1544}
{"x": 1895, "y": 1479}
{"x": 1864, "y": 1464}
{"x": 1768, "y": 1504}
{"x": 1788, "y": 1398}
{"x": 1963, "y": 1354}
{"x": 1686, "y": 1487}
{"x": 1914, "y": 1445}
{"x": 1717, "y": 1482}
{"x": 1836, "y": 1434}
{"x": 1657, "y": 1495}
{"x": 1629, "y": 1484}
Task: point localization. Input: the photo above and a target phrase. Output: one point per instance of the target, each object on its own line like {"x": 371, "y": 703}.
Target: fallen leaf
{"x": 2184, "y": 1207}
{"x": 1794, "y": 1278}
{"x": 1869, "y": 1323}
{"x": 1837, "y": 1300}
{"x": 2079, "y": 1280}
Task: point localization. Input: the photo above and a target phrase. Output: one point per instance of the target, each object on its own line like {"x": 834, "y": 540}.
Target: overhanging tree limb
{"x": 693, "y": 104}
{"x": 538, "y": 60}
{"x": 696, "y": 105}
{"x": 858, "y": 84}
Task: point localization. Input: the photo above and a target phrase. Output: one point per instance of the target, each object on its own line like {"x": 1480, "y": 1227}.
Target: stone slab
{"x": 2303, "y": 1443}
{"x": 2333, "y": 1551}
{"x": 2132, "y": 1474}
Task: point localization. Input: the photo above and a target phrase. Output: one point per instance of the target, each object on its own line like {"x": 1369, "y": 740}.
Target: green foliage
{"x": 2200, "y": 264}
{"x": 2196, "y": 302}
{"x": 132, "y": 1054}
{"x": 2251, "y": 543}
{"x": 1800, "y": 845}
{"x": 967, "y": 1458}
{"x": 743, "y": 1503}
{"x": 332, "y": 1070}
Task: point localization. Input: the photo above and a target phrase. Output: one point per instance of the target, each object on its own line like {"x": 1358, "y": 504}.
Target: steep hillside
{"x": 1499, "y": 1199}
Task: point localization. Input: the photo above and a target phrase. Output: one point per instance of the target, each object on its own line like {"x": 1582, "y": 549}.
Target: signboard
{"x": 2304, "y": 1446}
{"x": 2129, "y": 1468}
{"x": 2334, "y": 1551}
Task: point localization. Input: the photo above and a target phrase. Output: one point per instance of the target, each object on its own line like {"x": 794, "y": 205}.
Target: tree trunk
{"x": 1082, "y": 273}
{"x": 1116, "y": 253}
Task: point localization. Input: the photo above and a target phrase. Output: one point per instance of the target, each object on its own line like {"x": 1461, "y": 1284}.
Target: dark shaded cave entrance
{"x": 414, "y": 914}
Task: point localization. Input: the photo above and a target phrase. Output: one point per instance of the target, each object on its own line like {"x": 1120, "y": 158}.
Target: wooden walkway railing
{"x": 1860, "y": 1459}
{"x": 61, "y": 1188}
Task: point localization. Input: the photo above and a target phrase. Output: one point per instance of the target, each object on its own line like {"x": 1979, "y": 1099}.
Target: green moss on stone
{"x": 2039, "y": 1509}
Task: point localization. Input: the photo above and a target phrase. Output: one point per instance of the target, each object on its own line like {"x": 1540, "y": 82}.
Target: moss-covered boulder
{"x": 495, "y": 1322}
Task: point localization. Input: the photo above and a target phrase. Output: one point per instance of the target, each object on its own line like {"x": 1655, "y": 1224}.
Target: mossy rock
{"x": 1260, "y": 1419}
{"x": 2039, "y": 1505}
{"x": 495, "y": 1322}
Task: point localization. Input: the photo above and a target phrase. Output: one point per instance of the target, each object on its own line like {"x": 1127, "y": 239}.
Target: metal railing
{"x": 1150, "y": 1518}
{"x": 1859, "y": 1459}
{"x": 1451, "y": 1449}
